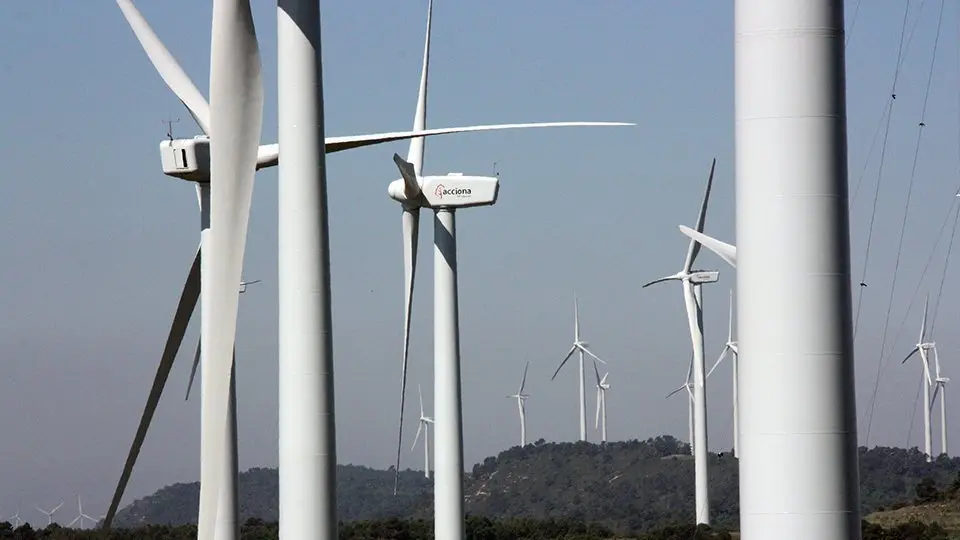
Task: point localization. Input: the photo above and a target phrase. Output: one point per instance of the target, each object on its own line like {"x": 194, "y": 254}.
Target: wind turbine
{"x": 731, "y": 347}
{"x": 82, "y": 516}
{"x": 521, "y": 398}
{"x": 581, "y": 347}
{"x": 923, "y": 347}
{"x": 688, "y": 386}
{"x": 424, "y": 425}
{"x": 49, "y": 513}
{"x": 443, "y": 194}
{"x": 940, "y": 390}
{"x": 16, "y": 518}
{"x": 691, "y": 281}
{"x": 602, "y": 387}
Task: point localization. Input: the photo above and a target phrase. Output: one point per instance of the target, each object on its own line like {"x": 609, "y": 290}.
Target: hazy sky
{"x": 99, "y": 241}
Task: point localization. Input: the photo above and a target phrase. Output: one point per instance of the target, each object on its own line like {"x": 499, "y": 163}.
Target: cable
{"x": 853, "y": 23}
{"x": 906, "y": 213}
{"x": 956, "y": 219}
{"x": 883, "y": 153}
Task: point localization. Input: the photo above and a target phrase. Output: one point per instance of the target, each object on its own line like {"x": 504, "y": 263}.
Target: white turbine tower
{"x": 602, "y": 387}
{"x": 731, "y": 347}
{"x": 940, "y": 391}
{"x": 691, "y": 280}
{"x": 81, "y": 516}
{"x": 424, "y": 425}
{"x": 688, "y": 386}
{"x": 443, "y": 194}
{"x": 521, "y": 399}
{"x": 581, "y": 347}
{"x": 798, "y": 432}
{"x": 924, "y": 347}
{"x": 50, "y": 513}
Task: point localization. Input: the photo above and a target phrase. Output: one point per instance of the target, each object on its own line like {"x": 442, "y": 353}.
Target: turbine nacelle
{"x": 454, "y": 190}
{"x": 187, "y": 159}
{"x": 704, "y": 276}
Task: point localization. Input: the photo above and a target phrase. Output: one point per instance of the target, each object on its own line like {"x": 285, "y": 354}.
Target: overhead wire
{"x": 883, "y": 153}
{"x": 903, "y": 224}
{"x": 956, "y": 219}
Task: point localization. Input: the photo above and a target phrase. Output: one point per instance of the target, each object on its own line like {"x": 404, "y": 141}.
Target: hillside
{"x": 933, "y": 504}
{"x": 627, "y": 486}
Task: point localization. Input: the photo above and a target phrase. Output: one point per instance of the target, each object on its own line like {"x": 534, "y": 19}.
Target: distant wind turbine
{"x": 581, "y": 347}
{"x": 521, "y": 398}
{"x": 16, "y": 518}
{"x": 731, "y": 347}
{"x": 82, "y": 516}
{"x": 425, "y": 422}
{"x": 49, "y": 513}
{"x": 687, "y": 385}
{"x": 923, "y": 347}
{"x": 602, "y": 387}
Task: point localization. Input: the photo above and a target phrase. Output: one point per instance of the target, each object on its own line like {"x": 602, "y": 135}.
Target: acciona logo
{"x": 443, "y": 191}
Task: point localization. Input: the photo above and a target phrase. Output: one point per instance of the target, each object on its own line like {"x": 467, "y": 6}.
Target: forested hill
{"x": 635, "y": 485}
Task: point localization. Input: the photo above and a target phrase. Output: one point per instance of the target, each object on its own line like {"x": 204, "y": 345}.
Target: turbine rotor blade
{"x": 661, "y": 280}
{"x": 193, "y": 370}
{"x": 723, "y": 354}
{"x": 411, "y": 232}
{"x": 595, "y": 357}
{"x": 236, "y": 118}
{"x": 523, "y": 382}
{"x": 725, "y": 251}
{"x": 417, "y": 438}
{"x": 185, "y": 307}
{"x": 166, "y": 65}
{"x": 411, "y": 187}
{"x": 569, "y": 354}
{"x": 338, "y": 144}
{"x": 694, "y": 248}
{"x": 680, "y": 389}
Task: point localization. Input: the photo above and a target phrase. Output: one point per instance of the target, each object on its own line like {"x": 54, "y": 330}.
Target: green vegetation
{"x": 632, "y": 486}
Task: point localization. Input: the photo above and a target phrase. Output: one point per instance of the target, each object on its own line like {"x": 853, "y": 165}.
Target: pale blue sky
{"x": 98, "y": 241}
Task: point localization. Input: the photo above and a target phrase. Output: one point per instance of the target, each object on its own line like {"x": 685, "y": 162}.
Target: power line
{"x": 903, "y": 224}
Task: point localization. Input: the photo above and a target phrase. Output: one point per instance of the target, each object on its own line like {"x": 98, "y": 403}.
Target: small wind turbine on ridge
{"x": 687, "y": 385}
{"x": 424, "y": 425}
{"x": 82, "y": 516}
{"x": 49, "y": 513}
{"x": 923, "y": 347}
{"x": 602, "y": 387}
{"x": 521, "y": 398}
{"x": 581, "y": 347}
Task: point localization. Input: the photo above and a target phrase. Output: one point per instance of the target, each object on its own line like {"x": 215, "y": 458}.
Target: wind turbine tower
{"x": 798, "y": 431}
{"x": 521, "y": 406}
